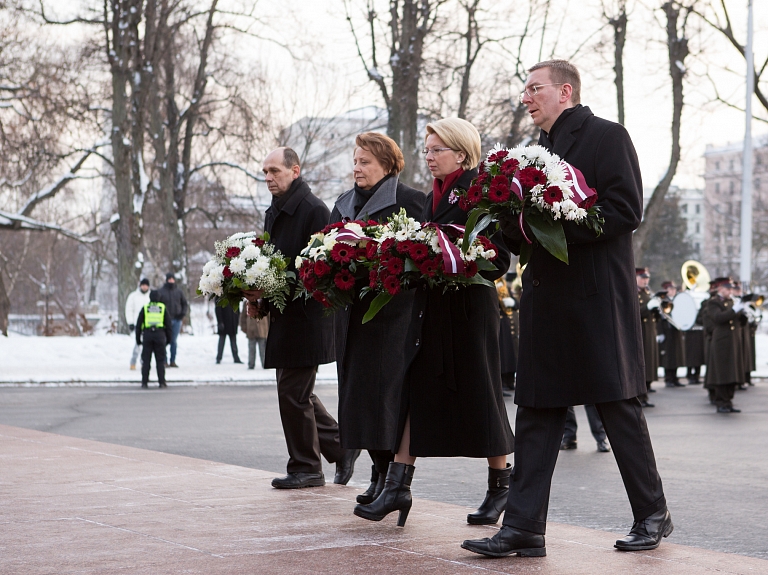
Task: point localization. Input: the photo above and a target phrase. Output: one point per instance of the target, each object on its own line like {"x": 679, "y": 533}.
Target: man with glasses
{"x": 596, "y": 339}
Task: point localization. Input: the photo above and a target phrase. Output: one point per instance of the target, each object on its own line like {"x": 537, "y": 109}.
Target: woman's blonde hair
{"x": 460, "y": 136}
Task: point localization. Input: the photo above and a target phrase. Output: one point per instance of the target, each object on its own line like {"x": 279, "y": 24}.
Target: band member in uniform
{"x": 507, "y": 306}
{"x": 672, "y": 348}
{"x": 649, "y": 316}
{"x": 694, "y": 350}
{"x": 744, "y": 330}
{"x": 725, "y": 369}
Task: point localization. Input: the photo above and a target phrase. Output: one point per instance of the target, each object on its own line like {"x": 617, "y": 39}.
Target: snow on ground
{"x": 104, "y": 359}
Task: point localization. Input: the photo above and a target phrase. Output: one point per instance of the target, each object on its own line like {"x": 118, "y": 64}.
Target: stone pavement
{"x": 77, "y": 506}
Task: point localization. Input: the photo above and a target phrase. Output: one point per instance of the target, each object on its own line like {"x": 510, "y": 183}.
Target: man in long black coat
{"x": 301, "y": 337}
{"x": 590, "y": 352}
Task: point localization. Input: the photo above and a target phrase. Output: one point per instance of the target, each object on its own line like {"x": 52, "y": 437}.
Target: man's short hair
{"x": 563, "y": 72}
{"x": 384, "y": 149}
{"x": 290, "y": 158}
{"x": 460, "y": 136}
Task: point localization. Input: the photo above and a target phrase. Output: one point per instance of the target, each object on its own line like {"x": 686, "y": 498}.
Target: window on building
{"x": 717, "y": 187}
{"x": 697, "y": 246}
{"x": 729, "y": 251}
{"x": 698, "y": 208}
{"x": 756, "y": 184}
{"x": 730, "y": 165}
{"x": 717, "y": 166}
{"x": 684, "y": 208}
{"x": 698, "y": 228}
{"x": 730, "y": 187}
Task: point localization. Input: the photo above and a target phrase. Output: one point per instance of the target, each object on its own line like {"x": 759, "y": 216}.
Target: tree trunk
{"x": 5, "y": 308}
{"x": 678, "y": 51}
{"x": 619, "y": 25}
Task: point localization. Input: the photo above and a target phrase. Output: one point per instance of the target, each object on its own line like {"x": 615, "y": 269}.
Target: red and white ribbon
{"x": 574, "y": 177}
{"x": 452, "y": 261}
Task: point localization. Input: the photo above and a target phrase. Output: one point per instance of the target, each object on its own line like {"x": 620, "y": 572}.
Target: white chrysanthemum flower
{"x": 250, "y": 252}
{"x": 298, "y": 261}
{"x": 237, "y": 265}
{"x": 329, "y": 241}
{"x": 434, "y": 243}
{"x": 421, "y": 235}
{"x": 496, "y": 148}
{"x": 518, "y": 153}
{"x": 261, "y": 264}
{"x": 556, "y": 175}
{"x": 209, "y": 266}
{"x": 252, "y": 275}
{"x": 536, "y": 191}
{"x": 537, "y": 153}
{"x": 356, "y": 228}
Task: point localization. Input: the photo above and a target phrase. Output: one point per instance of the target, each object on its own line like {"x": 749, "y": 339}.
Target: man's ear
{"x": 566, "y": 91}
{"x": 296, "y": 170}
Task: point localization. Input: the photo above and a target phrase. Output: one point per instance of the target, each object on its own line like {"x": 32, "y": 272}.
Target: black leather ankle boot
{"x": 369, "y": 495}
{"x": 396, "y": 495}
{"x": 495, "y": 498}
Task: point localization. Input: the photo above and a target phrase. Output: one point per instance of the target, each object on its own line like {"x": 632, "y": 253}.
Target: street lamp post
{"x": 745, "y": 268}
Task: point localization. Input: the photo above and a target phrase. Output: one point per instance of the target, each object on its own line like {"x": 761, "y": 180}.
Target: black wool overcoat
{"x": 370, "y": 358}
{"x": 227, "y": 320}
{"x": 580, "y": 338}
{"x": 301, "y": 336}
{"x": 724, "y": 360}
{"x": 672, "y": 349}
{"x": 452, "y": 387}
{"x": 649, "y": 320}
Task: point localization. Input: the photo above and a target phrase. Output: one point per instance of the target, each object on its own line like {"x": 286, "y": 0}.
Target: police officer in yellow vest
{"x": 155, "y": 323}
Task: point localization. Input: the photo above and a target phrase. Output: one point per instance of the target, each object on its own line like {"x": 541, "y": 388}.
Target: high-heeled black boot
{"x": 396, "y": 495}
{"x": 495, "y": 498}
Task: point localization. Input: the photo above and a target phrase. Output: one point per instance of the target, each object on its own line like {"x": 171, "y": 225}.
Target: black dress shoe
{"x": 238, "y": 361}
{"x": 651, "y": 390}
{"x": 298, "y": 481}
{"x": 567, "y": 444}
{"x": 647, "y": 533}
{"x": 508, "y": 541}
{"x": 674, "y": 384}
{"x": 345, "y": 466}
{"x": 734, "y": 410}
{"x": 603, "y": 447}
{"x": 647, "y": 404}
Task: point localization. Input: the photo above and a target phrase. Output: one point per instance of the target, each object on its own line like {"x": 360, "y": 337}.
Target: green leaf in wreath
{"x": 485, "y": 265}
{"x": 410, "y": 265}
{"x": 526, "y": 250}
{"x": 474, "y": 227}
{"x": 550, "y": 235}
{"x": 378, "y": 302}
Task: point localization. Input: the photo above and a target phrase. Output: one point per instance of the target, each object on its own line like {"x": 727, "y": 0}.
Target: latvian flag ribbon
{"x": 583, "y": 195}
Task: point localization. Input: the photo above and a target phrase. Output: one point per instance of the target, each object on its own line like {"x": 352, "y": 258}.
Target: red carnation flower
{"x": 394, "y": 265}
{"x": 470, "y": 269}
{"x": 320, "y": 296}
{"x": 321, "y": 268}
{"x": 589, "y": 202}
{"x": 392, "y": 285}
{"x": 370, "y": 250}
{"x": 232, "y": 252}
{"x": 418, "y": 252}
{"x": 509, "y": 167}
{"x": 344, "y": 280}
{"x": 372, "y": 277}
{"x": 429, "y": 267}
{"x": 404, "y": 246}
{"x": 553, "y": 194}
{"x": 258, "y": 242}
{"x": 530, "y": 177}
{"x": 342, "y": 253}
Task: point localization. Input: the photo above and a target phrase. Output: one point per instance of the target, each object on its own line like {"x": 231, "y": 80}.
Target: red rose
{"x": 370, "y": 250}
{"x": 394, "y": 265}
{"x": 372, "y": 277}
{"x": 418, "y": 252}
{"x": 258, "y": 242}
{"x": 227, "y": 272}
{"x": 232, "y": 252}
{"x": 320, "y": 296}
{"x": 429, "y": 267}
{"x": 470, "y": 269}
{"x": 344, "y": 280}
{"x": 392, "y": 285}
{"x": 322, "y": 268}
{"x": 342, "y": 253}
{"x": 310, "y": 282}
{"x": 530, "y": 177}
{"x": 553, "y": 194}
{"x": 498, "y": 191}
{"x": 509, "y": 167}
{"x": 589, "y": 202}
{"x": 404, "y": 246}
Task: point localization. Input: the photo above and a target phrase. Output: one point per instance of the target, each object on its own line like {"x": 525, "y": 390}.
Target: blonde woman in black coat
{"x": 452, "y": 403}
{"x": 370, "y": 358}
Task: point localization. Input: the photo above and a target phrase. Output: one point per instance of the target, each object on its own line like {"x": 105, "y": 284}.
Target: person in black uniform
{"x": 227, "y": 320}
{"x": 369, "y": 357}
{"x": 301, "y": 337}
{"x": 587, "y": 352}
{"x": 649, "y": 315}
{"x": 507, "y": 305}
{"x": 672, "y": 348}
{"x": 153, "y": 326}
{"x": 725, "y": 368}
{"x": 744, "y": 331}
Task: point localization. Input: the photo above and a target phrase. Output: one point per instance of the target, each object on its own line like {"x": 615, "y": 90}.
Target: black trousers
{"x": 724, "y": 394}
{"x": 595, "y": 424}
{"x": 308, "y": 427}
{"x": 537, "y": 443}
{"x": 232, "y": 345}
{"x": 153, "y": 342}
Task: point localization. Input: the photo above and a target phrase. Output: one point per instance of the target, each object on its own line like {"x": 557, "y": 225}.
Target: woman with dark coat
{"x": 227, "y": 320}
{"x": 452, "y": 404}
{"x": 369, "y": 358}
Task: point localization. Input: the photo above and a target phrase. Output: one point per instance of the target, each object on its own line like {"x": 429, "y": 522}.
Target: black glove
{"x": 132, "y": 327}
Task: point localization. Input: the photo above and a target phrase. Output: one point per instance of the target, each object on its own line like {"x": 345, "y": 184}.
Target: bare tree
{"x": 617, "y": 19}
{"x": 676, "y": 20}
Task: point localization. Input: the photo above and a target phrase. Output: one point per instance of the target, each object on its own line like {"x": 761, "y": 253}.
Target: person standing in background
{"x": 174, "y": 300}
{"x": 153, "y": 326}
{"x": 256, "y": 330}
{"x": 133, "y": 304}
{"x": 227, "y": 320}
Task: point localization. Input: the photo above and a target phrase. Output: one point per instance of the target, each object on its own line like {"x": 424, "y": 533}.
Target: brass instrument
{"x": 659, "y": 301}
{"x": 752, "y": 307}
{"x": 695, "y": 276}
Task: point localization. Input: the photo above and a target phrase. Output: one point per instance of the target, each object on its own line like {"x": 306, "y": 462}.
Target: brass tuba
{"x": 695, "y": 276}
